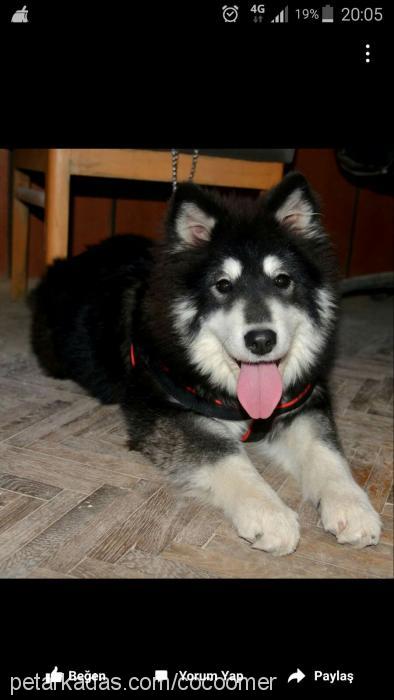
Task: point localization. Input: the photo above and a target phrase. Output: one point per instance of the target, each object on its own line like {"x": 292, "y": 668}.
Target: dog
{"x": 220, "y": 334}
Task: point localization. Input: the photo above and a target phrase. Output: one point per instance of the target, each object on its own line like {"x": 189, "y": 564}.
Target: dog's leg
{"x": 308, "y": 449}
{"x": 215, "y": 468}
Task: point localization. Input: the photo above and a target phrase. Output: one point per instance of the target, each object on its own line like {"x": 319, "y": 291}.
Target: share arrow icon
{"x": 298, "y": 675}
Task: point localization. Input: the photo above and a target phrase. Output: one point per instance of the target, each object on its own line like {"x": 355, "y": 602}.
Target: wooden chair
{"x": 59, "y": 165}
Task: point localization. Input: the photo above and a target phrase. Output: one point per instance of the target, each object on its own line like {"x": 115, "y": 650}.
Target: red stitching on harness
{"x": 246, "y": 435}
{"x": 297, "y": 398}
{"x": 132, "y": 355}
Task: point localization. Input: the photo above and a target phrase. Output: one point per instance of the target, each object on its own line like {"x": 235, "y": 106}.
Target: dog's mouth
{"x": 259, "y": 387}
{"x": 258, "y": 362}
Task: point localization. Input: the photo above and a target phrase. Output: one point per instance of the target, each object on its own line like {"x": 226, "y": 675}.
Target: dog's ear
{"x": 192, "y": 216}
{"x": 293, "y": 204}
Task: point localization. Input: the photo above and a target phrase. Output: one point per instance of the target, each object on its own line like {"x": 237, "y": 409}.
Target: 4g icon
{"x": 258, "y": 9}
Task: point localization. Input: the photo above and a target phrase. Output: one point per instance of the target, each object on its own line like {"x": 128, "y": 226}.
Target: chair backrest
{"x": 262, "y": 155}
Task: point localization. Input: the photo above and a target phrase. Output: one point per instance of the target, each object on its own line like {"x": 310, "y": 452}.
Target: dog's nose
{"x": 260, "y": 342}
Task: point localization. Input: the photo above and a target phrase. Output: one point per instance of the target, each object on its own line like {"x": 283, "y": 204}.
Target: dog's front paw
{"x": 350, "y": 517}
{"x": 272, "y": 528}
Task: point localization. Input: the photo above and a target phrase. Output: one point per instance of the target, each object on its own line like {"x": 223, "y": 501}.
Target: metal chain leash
{"x": 194, "y": 165}
{"x": 175, "y": 159}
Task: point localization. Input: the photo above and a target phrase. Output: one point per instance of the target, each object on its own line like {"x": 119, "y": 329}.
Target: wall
{"x": 4, "y": 210}
{"x": 361, "y": 226}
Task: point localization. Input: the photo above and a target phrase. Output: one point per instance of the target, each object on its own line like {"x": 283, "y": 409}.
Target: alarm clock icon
{"x": 230, "y": 13}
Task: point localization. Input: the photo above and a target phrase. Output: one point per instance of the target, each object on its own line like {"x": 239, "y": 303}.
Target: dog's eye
{"x": 282, "y": 281}
{"x": 224, "y": 286}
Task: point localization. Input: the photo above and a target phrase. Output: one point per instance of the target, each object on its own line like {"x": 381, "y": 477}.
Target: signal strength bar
{"x": 282, "y": 16}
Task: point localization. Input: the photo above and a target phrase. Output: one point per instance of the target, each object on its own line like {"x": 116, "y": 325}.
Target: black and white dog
{"x": 220, "y": 334}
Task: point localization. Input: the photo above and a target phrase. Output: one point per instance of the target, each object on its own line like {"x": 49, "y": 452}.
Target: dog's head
{"x": 249, "y": 282}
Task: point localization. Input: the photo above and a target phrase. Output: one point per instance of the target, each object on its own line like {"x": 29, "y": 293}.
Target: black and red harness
{"x": 189, "y": 398}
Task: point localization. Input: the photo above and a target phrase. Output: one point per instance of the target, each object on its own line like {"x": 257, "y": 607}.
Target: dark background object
{"x": 371, "y": 167}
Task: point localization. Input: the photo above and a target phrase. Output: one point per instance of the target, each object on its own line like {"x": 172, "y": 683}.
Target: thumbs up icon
{"x": 54, "y": 677}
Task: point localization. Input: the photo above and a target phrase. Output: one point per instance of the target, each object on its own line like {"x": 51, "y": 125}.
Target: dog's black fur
{"x": 82, "y": 313}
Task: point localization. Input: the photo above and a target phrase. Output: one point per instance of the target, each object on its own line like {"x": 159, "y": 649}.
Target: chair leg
{"x": 20, "y": 237}
{"x": 57, "y": 204}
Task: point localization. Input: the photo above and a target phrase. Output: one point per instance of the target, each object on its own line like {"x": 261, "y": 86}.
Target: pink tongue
{"x": 259, "y": 388}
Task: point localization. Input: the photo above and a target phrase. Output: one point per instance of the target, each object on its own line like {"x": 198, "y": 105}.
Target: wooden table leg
{"x": 57, "y": 188}
{"x": 20, "y": 237}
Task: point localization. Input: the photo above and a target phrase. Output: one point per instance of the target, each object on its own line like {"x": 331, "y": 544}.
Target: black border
{"x": 257, "y": 627}
{"x": 164, "y": 74}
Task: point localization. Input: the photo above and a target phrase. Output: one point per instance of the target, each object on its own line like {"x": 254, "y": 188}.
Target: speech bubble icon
{"x": 161, "y": 675}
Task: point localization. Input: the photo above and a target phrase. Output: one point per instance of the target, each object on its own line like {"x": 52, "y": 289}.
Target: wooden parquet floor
{"x": 74, "y": 502}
